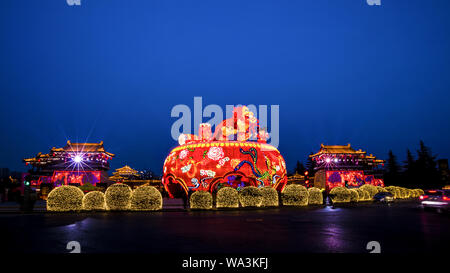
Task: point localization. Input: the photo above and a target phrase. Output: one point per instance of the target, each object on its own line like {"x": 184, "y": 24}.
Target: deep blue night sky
{"x": 341, "y": 71}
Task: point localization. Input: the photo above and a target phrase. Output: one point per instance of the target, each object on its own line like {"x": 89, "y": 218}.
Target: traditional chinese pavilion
{"x": 341, "y": 165}
{"x": 125, "y": 173}
{"x": 75, "y": 163}
{"x": 134, "y": 178}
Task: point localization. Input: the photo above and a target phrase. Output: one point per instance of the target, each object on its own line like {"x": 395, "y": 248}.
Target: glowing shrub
{"x": 269, "y": 197}
{"x": 315, "y": 196}
{"x": 371, "y": 189}
{"x": 201, "y": 200}
{"x": 146, "y": 198}
{"x": 361, "y": 194}
{"x": 393, "y": 191}
{"x": 117, "y": 197}
{"x": 294, "y": 195}
{"x": 250, "y": 197}
{"x": 415, "y": 193}
{"x": 420, "y": 191}
{"x": 402, "y": 193}
{"x": 227, "y": 197}
{"x": 65, "y": 198}
{"x": 409, "y": 193}
{"x": 94, "y": 200}
{"x": 381, "y": 189}
{"x": 340, "y": 195}
{"x": 354, "y": 196}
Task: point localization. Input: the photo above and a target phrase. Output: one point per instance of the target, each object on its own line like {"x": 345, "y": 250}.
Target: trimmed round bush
{"x": 117, "y": 197}
{"x": 250, "y": 197}
{"x": 315, "y": 196}
{"x": 420, "y": 192}
{"x": 415, "y": 193}
{"x": 381, "y": 189}
{"x": 340, "y": 195}
{"x": 269, "y": 197}
{"x": 227, "y": 197}
{"x": 65, "y": 198}
{"x": 366, "y": 196}
{"x": 146, "y": 198}
{"x": 294, "y": 195}
{"x": 94, "y": 200}
{"x": 402, "y": 193}
{"x": 371, "y": 189}
{"x": 393, "y": 191}
{"x": 360, "y": 194}
{"x": 201, "y": 200}
{"x": 354, "y": 196}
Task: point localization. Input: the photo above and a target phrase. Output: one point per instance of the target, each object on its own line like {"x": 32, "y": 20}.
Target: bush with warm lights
{"x": 269, "y": 197}
{"x": 294, "y": 195}
{"x": 315, "y": 196}
{"x": 381, "y": 189}
{"x": 65, "y": 198}
{"x": 94, "y": 200}
{"x": 354, "y": 196}
{"x": 393, "y": 191}
{"x": 201, "y": 200}
{"x": 361, "y": 194}
{"x": 419, "y": 192}
{"x": 117, "y": 197}
{"x": 250, "y": 197}
{"x": 371, "y": 189}
{"x": 340, "y": 195}
{"x": 227, "y": 197}
{"x": 403, "y": 194}
{"x": 146, "y": 198}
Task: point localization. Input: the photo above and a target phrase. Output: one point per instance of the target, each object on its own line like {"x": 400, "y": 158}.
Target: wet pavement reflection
{"x": 399, "y": 228}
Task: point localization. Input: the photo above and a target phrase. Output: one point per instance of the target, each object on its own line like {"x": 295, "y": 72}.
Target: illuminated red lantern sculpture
{"x": 209, "y": 162}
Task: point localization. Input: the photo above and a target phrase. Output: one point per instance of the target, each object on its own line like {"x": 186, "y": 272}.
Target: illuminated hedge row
{"x": 250, "y": 197}
{"x": 354, "y": 196}
{"x": 269, "y": 197}
{"x": 65, "y": 198}
{"x": 94, "y": 200}
{"x": 118, "y": 197}
{"x": 146, "y": 198}
{"x": 294, "y": 195}
{"x": 227, "y": 197}
{"x": 201, "y": 200}
{"x": 315, "y": 196}
{"x": 404, "y": 193}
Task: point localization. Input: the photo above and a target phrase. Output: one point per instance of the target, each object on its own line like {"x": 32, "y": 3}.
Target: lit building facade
{"x": 73, "y": 164}
{"x": 341, "y": 165}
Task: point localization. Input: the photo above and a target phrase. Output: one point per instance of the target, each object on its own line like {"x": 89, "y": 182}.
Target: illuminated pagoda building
{"x": 341, "y": 165}
{"x": 74, "y": 164}
{"x": 296, "y": 178}
{"x": 134, "y": 178}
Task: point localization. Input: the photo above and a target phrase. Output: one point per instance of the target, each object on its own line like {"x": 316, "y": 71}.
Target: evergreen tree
{"x": 300, "y": 169}
{"x": 310, "y": 166}
{"x": 392, "y": 175}
{"x": 408, "y": 175}
{"x": 427, "y": 173}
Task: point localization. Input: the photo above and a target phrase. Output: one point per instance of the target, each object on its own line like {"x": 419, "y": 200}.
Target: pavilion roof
{"x": 337, "y": 149}
{"x": 73, "y": 148}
